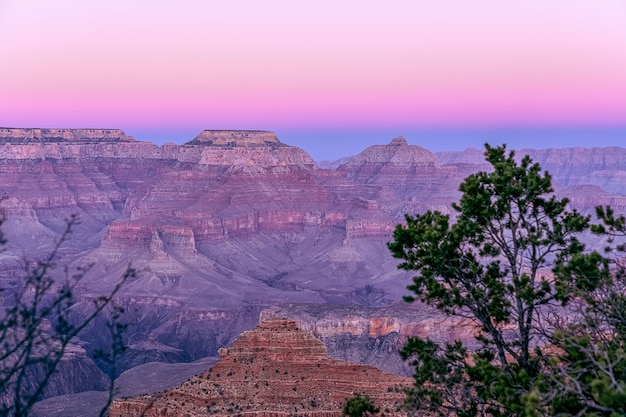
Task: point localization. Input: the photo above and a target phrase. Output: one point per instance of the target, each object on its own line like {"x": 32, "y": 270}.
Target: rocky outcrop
{"x": 51, "y": 144}
{"x": 586, "y": 198}
{"x": 604, "y": 167}
{"x": 373, "y": 336}
{"x": 233, "y": 223}
{"x": 75, "y": 373}
{"x": 21, "y": 136}
{"x": 246, "y": 151}
{"x": 237, "y": 138}
{"x": 275, "y": 369}
{"x": 398, "y": 151}
{"x": 408, "y": 178}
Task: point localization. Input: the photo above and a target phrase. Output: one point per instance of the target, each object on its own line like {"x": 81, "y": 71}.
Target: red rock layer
{"x": 273, "y": 370}
{"x": 235, "y": 222}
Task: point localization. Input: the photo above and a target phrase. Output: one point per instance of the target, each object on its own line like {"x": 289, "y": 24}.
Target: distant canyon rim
{"x": 236, "y": 227}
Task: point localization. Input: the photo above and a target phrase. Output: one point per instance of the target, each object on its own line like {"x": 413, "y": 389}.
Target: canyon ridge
{"x": 236, "y": 227}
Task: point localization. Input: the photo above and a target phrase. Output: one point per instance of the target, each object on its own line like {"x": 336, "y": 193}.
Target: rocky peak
{"x": 399, "y": 141}
{"x": 398, "y": 151}
{"x": 237, "y": 138}
{"x": 28, "y": 135}
{"x": 277, "y": 340}
{"x": 275, "y": 369}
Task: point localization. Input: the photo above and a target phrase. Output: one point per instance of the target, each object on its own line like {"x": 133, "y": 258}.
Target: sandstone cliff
{"x": 373, "y": 336}
{"x": 275, "y": 369}
{"x": 233, "y": 223}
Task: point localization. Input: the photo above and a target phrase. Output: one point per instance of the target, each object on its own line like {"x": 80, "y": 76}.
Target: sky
{"x": 329, "y": 76}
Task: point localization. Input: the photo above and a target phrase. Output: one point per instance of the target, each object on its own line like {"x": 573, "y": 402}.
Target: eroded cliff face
{"x": 408, "y": 178}
{"x": 21, "y": 136}
{"x": 604, "y": 167}
{"x": 275, "y": 369}
{"x": 233, "y": 223}
{"x": 237, "y": 138}
{"x": 74, "y": 373}
{"x": 373, "y": 336}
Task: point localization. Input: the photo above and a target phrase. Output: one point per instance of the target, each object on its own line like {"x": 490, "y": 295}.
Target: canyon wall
{"x": 234, "y": 225}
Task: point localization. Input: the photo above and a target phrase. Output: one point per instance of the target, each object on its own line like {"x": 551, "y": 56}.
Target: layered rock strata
{"x": 407, "y": 178}
{"x": 21, "y": 136}
{"x": 605, "y": 167}
{"x": 273, "y": 370}
{"x": 374, "y": 336}
{"x": 233, "y": 223}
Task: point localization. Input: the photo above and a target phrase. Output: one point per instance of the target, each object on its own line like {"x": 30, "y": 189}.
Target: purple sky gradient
{"x": 326, "y": 75}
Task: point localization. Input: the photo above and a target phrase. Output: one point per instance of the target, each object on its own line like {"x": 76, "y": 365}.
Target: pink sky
{"x": 298, "y": 65}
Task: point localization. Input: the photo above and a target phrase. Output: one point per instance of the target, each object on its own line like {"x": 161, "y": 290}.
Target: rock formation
{"x": 605, "y": 167}
{"x": 361, "y": 334}
{"x": 237, "y": 138}
{"x": 22, "y": 136}
{"x": 235, "y": 223}
{"x": 74, "y": 373}
{"x": 275, "y": 369}
{"x": 408, "y": 178}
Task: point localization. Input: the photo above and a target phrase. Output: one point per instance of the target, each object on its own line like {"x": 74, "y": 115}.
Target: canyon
{"x": 275, "y": 369}
{"x": 233, "y": 228}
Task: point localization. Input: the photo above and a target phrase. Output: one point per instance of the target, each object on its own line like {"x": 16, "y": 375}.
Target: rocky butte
{"x": 232, "y": 226}
{"x": 274, "y": 370}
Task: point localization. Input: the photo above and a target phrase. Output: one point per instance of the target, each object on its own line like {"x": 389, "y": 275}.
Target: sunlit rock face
{"x": 275, "y": 369}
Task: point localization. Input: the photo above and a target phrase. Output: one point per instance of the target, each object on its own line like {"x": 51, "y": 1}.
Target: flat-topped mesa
{"x": 243, "y": 150}
{"x": 37, "y": 135}
{"x": 237, "y": 138}
{"x": 398, "y": 151}
{"x": 276, "y": 340}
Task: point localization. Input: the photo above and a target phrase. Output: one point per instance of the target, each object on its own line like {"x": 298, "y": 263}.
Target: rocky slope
{"x": 234, "y": 224}
{"x": 407, "y": 178}
{"x": 75, "y": 373}
{"x": 604, "y": 167}
{"x": 275, "y": 369}
{"x": 148, "y": 377}
{"x": 587, "y": 176}
{"x": 361, "y": 334}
